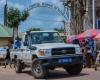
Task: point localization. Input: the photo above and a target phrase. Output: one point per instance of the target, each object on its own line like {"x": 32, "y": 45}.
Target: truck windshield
{"x": 45, "y": 37}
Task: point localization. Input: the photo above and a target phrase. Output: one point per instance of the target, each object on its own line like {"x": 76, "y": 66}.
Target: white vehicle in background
{"x": 44, "y": 50}
{"x": 3, "y": 52}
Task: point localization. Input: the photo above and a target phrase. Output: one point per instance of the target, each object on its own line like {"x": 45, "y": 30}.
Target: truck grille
{"x": 63, "y": 51}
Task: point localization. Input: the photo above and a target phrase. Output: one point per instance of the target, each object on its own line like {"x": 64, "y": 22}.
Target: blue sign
{"x": 98, "y": 23}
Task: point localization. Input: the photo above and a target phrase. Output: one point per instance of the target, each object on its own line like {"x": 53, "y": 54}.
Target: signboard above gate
{"x": 43, "y": 4}
{"x": 63, "y": 12}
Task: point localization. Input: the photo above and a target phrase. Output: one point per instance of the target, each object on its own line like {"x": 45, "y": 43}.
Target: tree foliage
{"x": 15, "y": 17}
{"x": 34, "y": 29}
{"x": 78, "y": 11}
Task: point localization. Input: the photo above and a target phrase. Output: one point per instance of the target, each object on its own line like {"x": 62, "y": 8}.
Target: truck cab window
{"x": 26, "y": 40}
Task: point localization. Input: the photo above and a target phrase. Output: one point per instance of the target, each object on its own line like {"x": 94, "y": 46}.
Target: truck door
{"x": 26, "y": 51}
{"x": 26, "y": 55}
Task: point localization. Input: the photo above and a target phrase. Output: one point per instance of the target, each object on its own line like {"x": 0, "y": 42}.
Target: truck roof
{"x": 43, "y": 31}
{"x": 20, "y": 34}
{"x": 39, "y": 31}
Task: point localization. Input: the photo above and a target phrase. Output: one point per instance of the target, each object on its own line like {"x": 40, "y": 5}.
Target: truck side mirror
{"x": 25, "y": 43}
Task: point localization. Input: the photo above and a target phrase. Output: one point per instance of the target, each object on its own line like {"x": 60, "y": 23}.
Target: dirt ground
{"x": 59, "y": 74}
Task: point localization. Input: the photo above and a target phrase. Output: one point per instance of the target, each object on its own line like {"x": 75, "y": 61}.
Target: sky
{"x": 40, "y": 17}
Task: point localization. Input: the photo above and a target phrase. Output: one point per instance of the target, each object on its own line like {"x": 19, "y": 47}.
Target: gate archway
{"x": 64, "y": 13}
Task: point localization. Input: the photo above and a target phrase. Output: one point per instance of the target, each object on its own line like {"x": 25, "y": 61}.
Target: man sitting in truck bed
{"x": 17, "y": 43}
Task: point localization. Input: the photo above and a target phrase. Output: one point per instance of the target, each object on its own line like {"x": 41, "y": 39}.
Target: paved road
{"x": 58, "y": 74}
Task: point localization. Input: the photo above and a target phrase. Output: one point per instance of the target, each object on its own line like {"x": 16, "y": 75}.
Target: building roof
{"x": 5, "y": 31}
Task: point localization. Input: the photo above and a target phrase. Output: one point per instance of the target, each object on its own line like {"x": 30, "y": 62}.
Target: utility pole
{"x": 93, "y": 9}
{"x": 5, "y": 13}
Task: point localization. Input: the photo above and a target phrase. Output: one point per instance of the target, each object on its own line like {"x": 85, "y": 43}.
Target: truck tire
{"x": 74, "y": 69}
{"x": 18, "y": 66}
{"x": 38, "y": 71}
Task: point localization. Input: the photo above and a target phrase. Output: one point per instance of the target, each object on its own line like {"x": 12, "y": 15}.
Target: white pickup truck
{"x": 44, "y": 50}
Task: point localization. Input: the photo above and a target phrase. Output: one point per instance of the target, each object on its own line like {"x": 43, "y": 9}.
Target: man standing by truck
{"x": 8, "y": 59}
{"x": 16, "y": 45}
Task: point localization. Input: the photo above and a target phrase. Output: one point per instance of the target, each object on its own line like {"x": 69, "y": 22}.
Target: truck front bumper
{"x": 61, "y": 61}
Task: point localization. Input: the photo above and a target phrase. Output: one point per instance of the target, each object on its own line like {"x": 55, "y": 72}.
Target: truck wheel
{"x": 38, "y": 71}
{"x": 18, "y": 66}
{"x": 74, "y": 69}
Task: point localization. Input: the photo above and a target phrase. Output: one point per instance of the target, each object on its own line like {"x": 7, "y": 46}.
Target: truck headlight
{"x": 77, "y": 50}
{"x": 47, "y": 52}
{"x": 41, "y": 52}
{"x": 44, "y": 52}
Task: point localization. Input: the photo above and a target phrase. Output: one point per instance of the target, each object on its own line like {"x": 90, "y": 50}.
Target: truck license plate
{"x": 64, "y": 60}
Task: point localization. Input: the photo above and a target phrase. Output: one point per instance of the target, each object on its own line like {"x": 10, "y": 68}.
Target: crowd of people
{"x": 91, "y": 54}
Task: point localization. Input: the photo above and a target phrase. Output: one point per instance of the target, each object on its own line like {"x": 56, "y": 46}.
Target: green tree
{"x": 34, "y": 29}
{"x": 14, "y": 18}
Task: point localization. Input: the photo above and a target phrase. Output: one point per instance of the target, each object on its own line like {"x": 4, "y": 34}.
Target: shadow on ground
{"x": 58, "y": 74}
{"x": 62, "y": 74}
